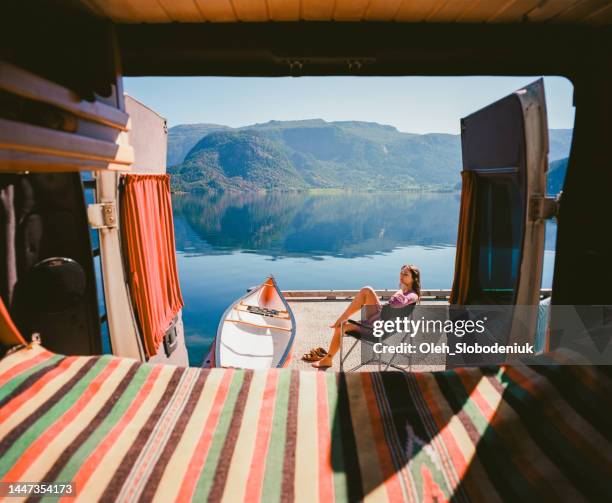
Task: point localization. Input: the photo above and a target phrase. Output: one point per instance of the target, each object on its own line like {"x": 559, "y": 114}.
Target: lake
{"x": 229, "y": 242}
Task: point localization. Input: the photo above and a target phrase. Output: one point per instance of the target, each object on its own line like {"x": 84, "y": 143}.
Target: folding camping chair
{"x": 365, "y": 335}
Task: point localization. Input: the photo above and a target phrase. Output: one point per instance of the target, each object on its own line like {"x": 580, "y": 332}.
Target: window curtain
{"x": 148, "y": 236}
{"x": 465, "y": 239}
{"x": 9, "y": 335}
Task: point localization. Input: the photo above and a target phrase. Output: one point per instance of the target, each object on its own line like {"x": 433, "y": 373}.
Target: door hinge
{"x": 543, "y": 208}
{"x": 102, "y": 215}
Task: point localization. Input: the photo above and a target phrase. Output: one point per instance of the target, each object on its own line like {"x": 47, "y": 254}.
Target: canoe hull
{"x": 257, "y": 331}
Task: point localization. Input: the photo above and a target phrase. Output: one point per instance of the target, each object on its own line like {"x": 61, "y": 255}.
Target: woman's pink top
{"x": 402, "y": 299}
{"x": 397, "y": 300}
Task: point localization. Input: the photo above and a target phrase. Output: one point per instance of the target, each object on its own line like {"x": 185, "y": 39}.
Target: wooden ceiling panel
{"x": 412, "y": 11}
{"x": 251, "y": 10}
{"x": 133, "y": 11}
{"x": 317, "y": 10}
{"x": 121, "y": 12}
{"x": 382, "y": 10}
{"x": 601, "y": 17}
{"x": 452, "y": 10}
{"x": 417, "y": 10}
{"x": 284, "y": 10}
{"x": 350, "y": 10}
{"x": 185, "y": 11}
{"x": 514, "y": 11}
{"x": 581, "y": 10}
{"x": 484, "y": 11}
{"x": 220, "y": 11}
{"x": 436, "y": 9}
{"x": 549, "y": 9}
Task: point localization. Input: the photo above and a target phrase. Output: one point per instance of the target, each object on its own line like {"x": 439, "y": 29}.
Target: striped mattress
{"x": 127, "y": 431}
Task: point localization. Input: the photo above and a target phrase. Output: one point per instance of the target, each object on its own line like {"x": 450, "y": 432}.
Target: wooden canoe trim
{"x": 20, "y": 82}
{"x": 258, "y": 326}
{"x": 237, "y": 308}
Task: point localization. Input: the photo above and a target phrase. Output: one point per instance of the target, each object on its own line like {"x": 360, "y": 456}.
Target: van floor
{"x": 313, "y": 318}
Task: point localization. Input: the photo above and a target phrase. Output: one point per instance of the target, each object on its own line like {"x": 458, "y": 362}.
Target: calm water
{"x": 229, "y": 242}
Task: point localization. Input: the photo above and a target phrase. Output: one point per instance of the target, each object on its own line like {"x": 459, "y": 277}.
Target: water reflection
{"x": 229, "y": 242}
{"x": 314, "y": 225}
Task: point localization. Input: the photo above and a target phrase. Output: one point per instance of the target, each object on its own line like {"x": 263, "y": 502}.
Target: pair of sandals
{"x": 315, "y": 355}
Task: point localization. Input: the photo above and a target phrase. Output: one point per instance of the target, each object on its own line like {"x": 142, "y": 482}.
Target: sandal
{"x": 314, "y": 355}
{"x": 311, "y": 357}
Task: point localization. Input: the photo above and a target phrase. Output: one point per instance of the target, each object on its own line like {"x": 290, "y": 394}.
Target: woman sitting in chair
{"x": 409, "y": 293}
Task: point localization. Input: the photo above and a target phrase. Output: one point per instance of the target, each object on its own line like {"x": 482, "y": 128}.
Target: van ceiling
{"x": 296, "y": 38}
{"x": 592, "y": 12}
{"x": 358, "y": 37}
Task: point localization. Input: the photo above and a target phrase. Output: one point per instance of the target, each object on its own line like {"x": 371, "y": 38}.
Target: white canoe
{"x": 257, "y": 331}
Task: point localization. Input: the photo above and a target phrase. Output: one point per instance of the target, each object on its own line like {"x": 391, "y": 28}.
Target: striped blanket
{"x": 126, "y": 431}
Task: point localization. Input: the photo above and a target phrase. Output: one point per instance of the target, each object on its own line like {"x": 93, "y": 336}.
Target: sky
{"x": 412, "y": 104}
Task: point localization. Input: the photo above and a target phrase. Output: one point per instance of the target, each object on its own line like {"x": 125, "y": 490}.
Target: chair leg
{"x": 347, "y": 355}
{"x": 369, "y": 362}
{"x": 341, "y": 347}
{"x": 343, "y": 356}
{"x": 391, "y": 364}
{"x": 350, "y": 350}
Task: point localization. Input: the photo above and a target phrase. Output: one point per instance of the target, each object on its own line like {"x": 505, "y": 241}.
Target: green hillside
{"x": 181, "y": 139}
{"x": 292, "y": 155}
{"x": 241, "y": 160}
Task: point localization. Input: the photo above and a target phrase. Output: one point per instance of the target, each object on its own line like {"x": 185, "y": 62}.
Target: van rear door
{"x": 505, "y": 150}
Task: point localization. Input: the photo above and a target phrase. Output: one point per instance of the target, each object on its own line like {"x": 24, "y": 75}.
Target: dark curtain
{"x": 465, "y": 239}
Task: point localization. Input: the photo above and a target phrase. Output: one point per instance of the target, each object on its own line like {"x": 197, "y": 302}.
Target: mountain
{"x": 556, "y": 176}
{"x": 243, "y": 160}
{"x": 182, "y": 138}
{"x": 318, "y": 154}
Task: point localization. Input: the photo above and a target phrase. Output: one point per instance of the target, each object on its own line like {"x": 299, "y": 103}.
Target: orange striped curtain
{"x": 465, "y": 239}
{"x": 9, "y": 335}
{"x": 148, "y": 236}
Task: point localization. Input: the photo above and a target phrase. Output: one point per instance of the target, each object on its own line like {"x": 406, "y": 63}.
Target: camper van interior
{"x": 95, "y": 391}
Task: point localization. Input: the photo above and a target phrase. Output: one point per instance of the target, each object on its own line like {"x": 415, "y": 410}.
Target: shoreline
{"x": 322, "y": 191}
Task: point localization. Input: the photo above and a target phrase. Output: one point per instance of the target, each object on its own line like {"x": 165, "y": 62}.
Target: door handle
{"x": 543, "y": 208}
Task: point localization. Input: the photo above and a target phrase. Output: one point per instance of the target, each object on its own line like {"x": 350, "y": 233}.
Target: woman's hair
{"x": 416, "y": 278}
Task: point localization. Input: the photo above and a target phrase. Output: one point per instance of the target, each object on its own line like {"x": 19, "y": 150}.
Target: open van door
{"x": 500, "y": 245}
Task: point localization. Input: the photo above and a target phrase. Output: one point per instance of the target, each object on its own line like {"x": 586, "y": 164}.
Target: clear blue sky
{"x": 412, "y": 104}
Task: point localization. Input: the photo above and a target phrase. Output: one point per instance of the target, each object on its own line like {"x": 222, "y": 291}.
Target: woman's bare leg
{"x": 334, "y": 346}
{"x": 365, "y": 297}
